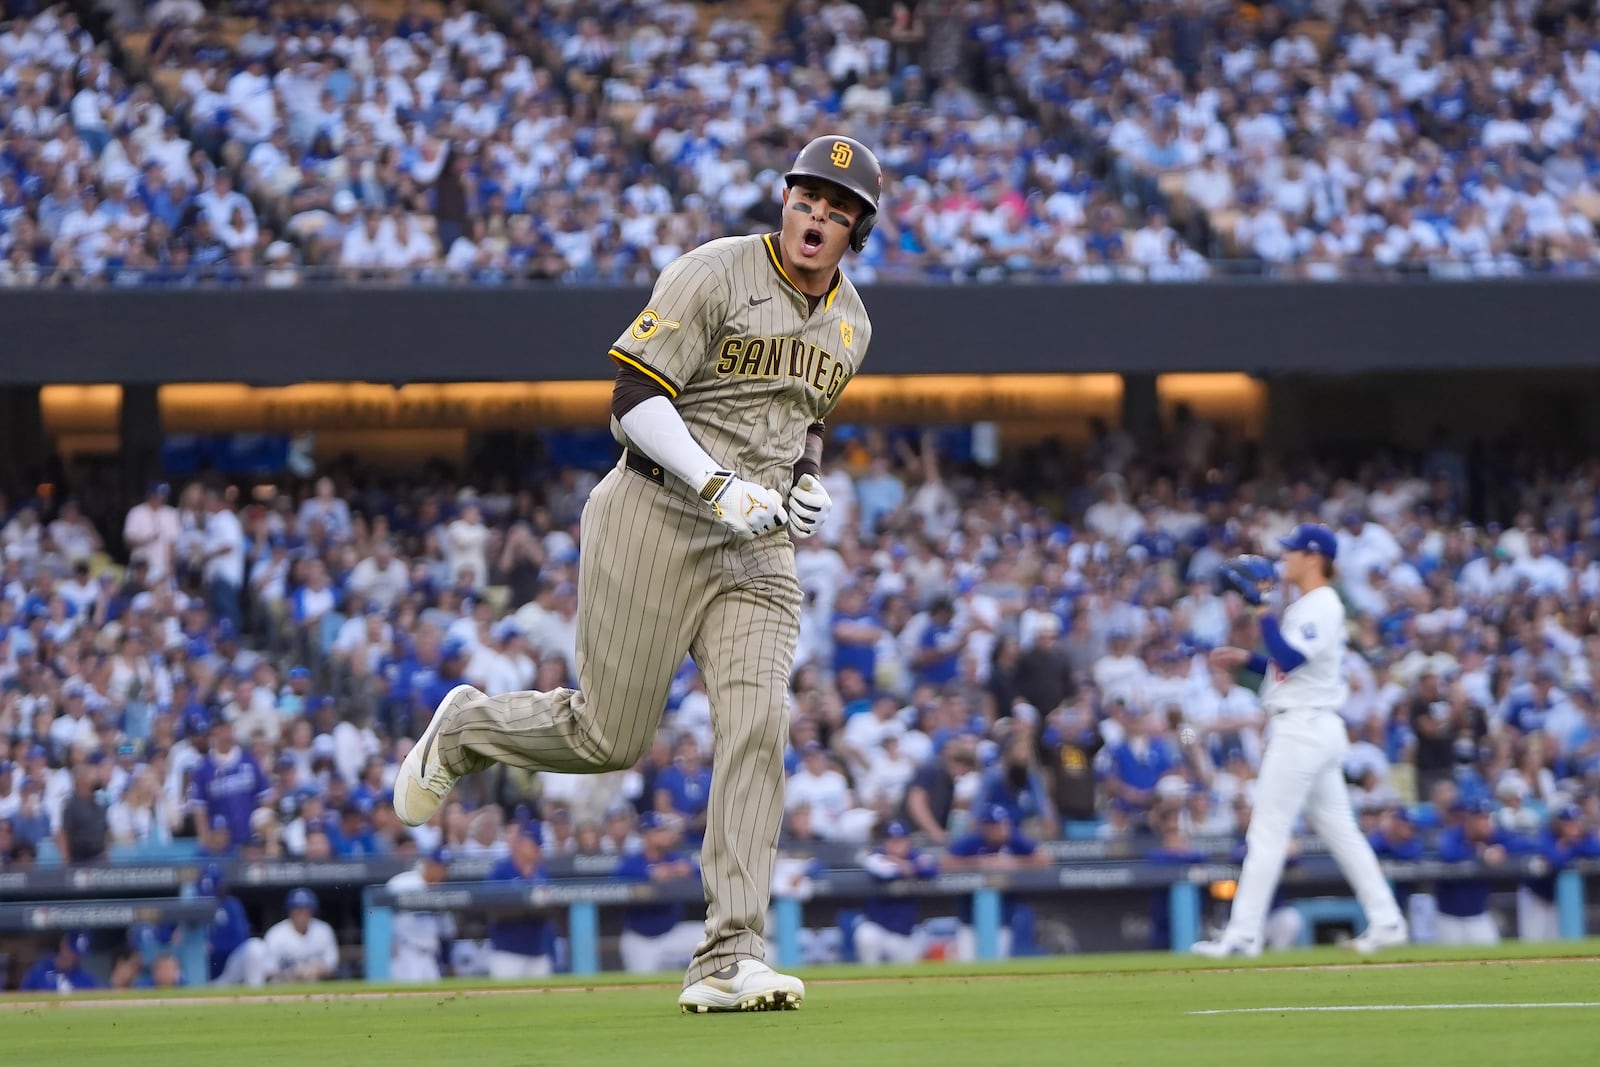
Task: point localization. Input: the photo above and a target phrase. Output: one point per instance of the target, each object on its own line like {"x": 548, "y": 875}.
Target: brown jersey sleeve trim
{"x": 645, "y": 369}
{"x": 632, "y": 388}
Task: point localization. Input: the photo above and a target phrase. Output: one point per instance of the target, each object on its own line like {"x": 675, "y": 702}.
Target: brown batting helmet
{"x": 849, "y": 164}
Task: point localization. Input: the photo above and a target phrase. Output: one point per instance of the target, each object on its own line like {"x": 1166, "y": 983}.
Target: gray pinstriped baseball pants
{"x": 659, "y": 579}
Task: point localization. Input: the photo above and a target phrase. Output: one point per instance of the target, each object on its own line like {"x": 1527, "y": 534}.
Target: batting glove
{"x": 747, "y": 509}
{"x": 809, "y": 505}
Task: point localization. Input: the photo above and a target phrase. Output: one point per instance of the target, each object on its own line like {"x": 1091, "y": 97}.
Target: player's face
{"x": 817, "y": 219}
{"x": 301, "y": 919}
{"x": 1294, "y": 565}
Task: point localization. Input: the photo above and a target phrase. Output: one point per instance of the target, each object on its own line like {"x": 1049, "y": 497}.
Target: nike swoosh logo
{"x": 763, "y": 300}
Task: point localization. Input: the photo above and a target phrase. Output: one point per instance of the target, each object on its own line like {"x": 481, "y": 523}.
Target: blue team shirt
{"x": 1161, "y": 900}
{"x": 1525, "y": 712}
{"x": 898, "y": 915}
{"x": 944, "y": 669}
{"x": 1142, "y": 772}
{"x": 43, "y": 977}
{"x": 528, "y": 934}
{"x": 1465, "y": 898}
{"x": 230, "y": 928}
{"x": 690, "y": 792}
{"x": 1559, "y": 855}
{"x": 650, "y": 920}
{"x": 975, "y": 844}
{"x": 1020, "y": 804}
{"x": 863, "y": 658}
{"x": 231, "y": 791}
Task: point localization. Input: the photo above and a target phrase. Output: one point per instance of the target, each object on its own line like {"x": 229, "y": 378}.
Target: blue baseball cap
{"x": 298, "y": 672}
{"x": 300, "y": 897}
{"x": 442, "y": 855}
{"x": 1567, "y": 813}
{"x": 896, "y": 829}
{"x": 77, "y": 942}
{"x": 1476, "y": 806}
{"x": 1312, "y": 537}
{"x": 196, "y": 722}
{"x": 651, "y": 820}
{"x": 993, "y": 815}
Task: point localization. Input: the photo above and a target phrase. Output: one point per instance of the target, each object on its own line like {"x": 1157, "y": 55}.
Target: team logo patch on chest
{"x": 649, "y": 323}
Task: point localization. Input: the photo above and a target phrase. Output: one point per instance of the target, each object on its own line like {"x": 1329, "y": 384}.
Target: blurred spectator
{"x": 63, "y": 972}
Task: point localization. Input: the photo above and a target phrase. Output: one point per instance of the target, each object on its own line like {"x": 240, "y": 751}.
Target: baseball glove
{"x": 1249, "y": 576}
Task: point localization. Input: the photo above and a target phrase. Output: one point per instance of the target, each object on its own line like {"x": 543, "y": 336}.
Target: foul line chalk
{"x": 1397, "y": 1007}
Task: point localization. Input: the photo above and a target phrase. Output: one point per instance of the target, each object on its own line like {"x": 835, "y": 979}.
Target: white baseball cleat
{"x": 1223, "y": 947}
{"x": 1378, "y": 938}
{"x": 748, "y": 985}
{"x": 423, "y": 781}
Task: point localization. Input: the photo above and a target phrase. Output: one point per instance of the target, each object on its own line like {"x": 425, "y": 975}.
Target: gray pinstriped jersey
{"x": 727, "y": 335}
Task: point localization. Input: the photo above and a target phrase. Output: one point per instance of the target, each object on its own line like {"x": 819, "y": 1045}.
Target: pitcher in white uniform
{"x": 1303, "y": 690}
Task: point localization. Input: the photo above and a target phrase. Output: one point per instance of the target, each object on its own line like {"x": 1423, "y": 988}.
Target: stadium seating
{"x": 1039, "y": 144}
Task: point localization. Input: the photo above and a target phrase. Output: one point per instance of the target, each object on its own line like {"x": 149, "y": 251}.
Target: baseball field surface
{"x": 1511, "y": 1005}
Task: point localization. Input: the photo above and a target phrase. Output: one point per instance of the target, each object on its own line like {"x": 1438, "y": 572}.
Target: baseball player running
{"x": 723, "y": 384}
{"x": 1303, "y": 690}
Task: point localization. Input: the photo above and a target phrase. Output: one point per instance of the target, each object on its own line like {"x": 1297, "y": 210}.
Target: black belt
{"x": 640, "y": 463}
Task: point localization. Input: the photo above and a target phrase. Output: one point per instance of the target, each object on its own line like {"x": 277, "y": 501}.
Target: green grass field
{"x": 1097, "y": 1010}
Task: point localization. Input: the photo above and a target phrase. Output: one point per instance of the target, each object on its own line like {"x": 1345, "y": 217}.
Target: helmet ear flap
{"x": 862, "y": 229}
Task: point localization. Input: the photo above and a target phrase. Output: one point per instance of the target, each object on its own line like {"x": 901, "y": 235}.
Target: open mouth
{"x": 811, "y": 241}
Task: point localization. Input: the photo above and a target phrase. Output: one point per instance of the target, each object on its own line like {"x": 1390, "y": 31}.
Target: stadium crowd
{"x": 594, "y": 142}
{"x": 247, "y": 684}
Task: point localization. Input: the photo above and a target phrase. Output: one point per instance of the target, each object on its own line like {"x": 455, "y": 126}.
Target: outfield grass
{"x": 1099, "y": 1010}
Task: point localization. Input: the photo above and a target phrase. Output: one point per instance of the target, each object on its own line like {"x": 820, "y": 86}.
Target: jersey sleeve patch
{"x": 649, "y": 323}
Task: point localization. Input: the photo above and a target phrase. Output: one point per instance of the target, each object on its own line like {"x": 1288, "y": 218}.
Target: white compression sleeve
{"x": 657, "y": 429}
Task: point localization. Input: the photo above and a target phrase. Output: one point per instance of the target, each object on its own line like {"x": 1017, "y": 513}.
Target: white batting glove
{"x": 809, "y": 505}
{"x": 748, "y": 509}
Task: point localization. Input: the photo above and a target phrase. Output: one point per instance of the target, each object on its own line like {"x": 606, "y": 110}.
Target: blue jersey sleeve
{"x": 1453, "y": 847}
{"x": 1020, "y": 845}
{"x": 1285, "y": 655}
{"x": 966, "y": 845}
{"x": 632, "y": 868}
{"x": 38, "y": 979}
